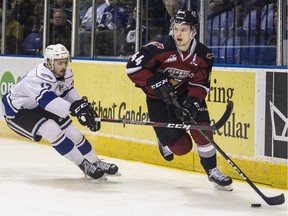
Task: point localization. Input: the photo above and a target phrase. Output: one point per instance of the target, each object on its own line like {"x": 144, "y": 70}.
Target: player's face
{"x": 183, "y": 35}
{"x": 60, "y": 66}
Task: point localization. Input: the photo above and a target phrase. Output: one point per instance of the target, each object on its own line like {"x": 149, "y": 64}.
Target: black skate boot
{"x": 108, "y": 168}
{"x": 165, "y": 152}
{"x": 219, "y": 180}
{"x": 91, "y": 170}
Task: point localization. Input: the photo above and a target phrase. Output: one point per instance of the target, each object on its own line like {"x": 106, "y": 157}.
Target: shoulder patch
{"x": 210, "y": 55}
{"x": 44, "y": 75}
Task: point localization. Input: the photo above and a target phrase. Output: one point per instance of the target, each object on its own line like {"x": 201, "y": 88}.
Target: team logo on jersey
{"x": 157, "y": 44}
{"x": 61, "y": 88}
{"x": 177, "y": 73}
{"x": 210, "y": 55}
{"x": 172, "y": 58}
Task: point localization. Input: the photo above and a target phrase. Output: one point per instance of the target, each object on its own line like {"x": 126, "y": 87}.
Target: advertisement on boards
{"x": 116, "y": 97}
{"x": 237, "y": 135}
{"x": 276, "y": 125}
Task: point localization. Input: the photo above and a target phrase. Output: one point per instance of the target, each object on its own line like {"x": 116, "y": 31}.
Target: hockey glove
{"x": 85, "y": 114}
{"x": 189, "y": 110}
{"x": 161, "y": 86}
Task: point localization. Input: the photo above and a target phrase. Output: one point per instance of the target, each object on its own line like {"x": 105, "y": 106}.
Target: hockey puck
{"x": 255, "y": 205}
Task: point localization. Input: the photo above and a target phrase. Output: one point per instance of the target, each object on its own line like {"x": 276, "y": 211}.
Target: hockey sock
{"x": 208, "y": 163}
{"x": 66, "y": 148}
{"x": 81, "y": 143}
{"x": 86, "y": 149}
{"x": 207, "y": 155}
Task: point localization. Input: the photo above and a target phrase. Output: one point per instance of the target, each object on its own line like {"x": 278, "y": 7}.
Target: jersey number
{"x": 46, "y": 86}
{"x": 137, "y": 60}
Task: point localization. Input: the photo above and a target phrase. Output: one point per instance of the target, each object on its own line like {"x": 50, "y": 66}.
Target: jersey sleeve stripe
{"x": 133, "y": 70}
{"x": 45, "y": 98}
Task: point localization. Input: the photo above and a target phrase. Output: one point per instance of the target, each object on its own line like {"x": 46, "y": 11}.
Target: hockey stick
{"x": 216, "y": 126}
{"x": 276, "y": 200}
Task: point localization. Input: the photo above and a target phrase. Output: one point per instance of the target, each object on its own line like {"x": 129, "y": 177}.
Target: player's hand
{"x": 85, "y": 114}
{"x": 189, "y": 110}
{"x": 161, "y": 86}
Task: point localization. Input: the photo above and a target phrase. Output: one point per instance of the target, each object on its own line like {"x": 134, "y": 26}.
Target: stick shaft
{"x": 216, "y": 126}
{"x": 159, "y": 124}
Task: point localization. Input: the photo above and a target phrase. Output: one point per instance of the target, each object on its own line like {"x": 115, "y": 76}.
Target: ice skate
{"x": 91, "y": 170}
{"x": 165, "y": 152}
{"x": 108, "y": 168}
{"x": 219, "y": 180}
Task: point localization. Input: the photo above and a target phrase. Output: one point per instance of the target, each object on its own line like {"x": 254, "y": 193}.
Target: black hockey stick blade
{"x": 225, "y": 116}
{"x": 276, "y": 200}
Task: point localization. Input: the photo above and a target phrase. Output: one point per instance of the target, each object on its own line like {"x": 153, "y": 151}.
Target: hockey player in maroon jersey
{"x": 180, "y": 66}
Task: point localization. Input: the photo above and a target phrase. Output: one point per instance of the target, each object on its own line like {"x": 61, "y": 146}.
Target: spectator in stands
{"x": 128, "y": 48}
{"x": 86, "y": 23}
{"x": 84, "y": 5}
{"x": 84, "y": 48}
{"x": 39, "y": 14}
{"x": 172, "y": 6}
{"x": 14, "y": 34}
{"x": 66, "y": 6}
{"x": 237, "y": 6}
{"x": 115, "y": 16}
{"x": 109, "y": 31}
{"x": 59, "y": 32}
{"x": 22, "y": 11}
{"x": 268, "y": 53}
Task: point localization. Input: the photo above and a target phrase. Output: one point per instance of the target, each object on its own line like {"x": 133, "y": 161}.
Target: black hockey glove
{"x": 161, "y": 86}
{"x": 85, "y": 114}
{"x": 189, "y": 110}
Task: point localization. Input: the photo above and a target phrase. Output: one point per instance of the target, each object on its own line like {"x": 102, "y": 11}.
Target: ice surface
{"x": 36, "y": 181}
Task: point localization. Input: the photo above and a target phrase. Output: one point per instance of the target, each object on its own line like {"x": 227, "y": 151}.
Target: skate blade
{"x": 225, "y": 188}
{"x": 113, "y": 175}
{"x": 103, "y": 178}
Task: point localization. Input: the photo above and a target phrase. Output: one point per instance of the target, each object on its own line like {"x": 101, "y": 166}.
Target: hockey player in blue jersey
{"x": 39, "y": 107}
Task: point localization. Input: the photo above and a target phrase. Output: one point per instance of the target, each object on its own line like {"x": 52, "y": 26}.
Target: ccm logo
{"x": 80, "y": 107}
{"x": 158, "y": 84}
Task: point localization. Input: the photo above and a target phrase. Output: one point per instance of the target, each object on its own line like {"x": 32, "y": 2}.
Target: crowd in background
{"x": 236, "y": 29}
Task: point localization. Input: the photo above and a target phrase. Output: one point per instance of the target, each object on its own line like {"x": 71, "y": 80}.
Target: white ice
{"x": 36, "y": 181}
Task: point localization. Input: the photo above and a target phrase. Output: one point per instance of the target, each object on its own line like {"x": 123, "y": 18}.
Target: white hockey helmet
{"x": 57, "y": 51}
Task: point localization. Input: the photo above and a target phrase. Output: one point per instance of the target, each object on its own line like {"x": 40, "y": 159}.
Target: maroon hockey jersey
{"x": 189, "y": 71}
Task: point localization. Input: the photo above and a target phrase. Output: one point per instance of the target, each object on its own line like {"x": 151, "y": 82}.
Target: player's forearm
{"x": 59, "y": 107}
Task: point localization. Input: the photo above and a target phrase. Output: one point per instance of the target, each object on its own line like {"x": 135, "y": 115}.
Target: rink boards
{"x": 255, "y": 136}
